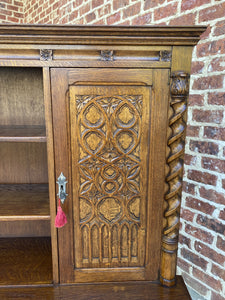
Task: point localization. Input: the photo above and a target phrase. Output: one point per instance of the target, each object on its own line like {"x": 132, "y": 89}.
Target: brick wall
{"x": 11, "y": 11}
{"x": 202, "y": 243}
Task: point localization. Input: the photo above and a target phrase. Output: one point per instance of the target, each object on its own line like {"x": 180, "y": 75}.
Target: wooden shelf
{"x": 24, "y": 201}
{"x": 110, "y": 291}
{"x": 24, "y": 210}
{"x": 25, "y": 261}
{"x": 22, "y": 134}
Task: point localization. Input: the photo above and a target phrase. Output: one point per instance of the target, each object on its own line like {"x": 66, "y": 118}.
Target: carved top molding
{"x": 124, "y": 35}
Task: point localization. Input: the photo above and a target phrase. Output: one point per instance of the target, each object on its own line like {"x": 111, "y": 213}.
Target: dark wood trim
{"x": 126, "y": 35}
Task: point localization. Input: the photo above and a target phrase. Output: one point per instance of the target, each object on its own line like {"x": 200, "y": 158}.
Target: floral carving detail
{"x": 45, "y": 54}
{"x": 107, "y": 55}
{"x": 165, "y": 55}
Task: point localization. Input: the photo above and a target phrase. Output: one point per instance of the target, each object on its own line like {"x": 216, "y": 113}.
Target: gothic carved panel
{"x": 109, "y": 170}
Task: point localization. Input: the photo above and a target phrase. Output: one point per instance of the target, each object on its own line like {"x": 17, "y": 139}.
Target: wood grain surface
{"x": 111, "y": 291}
{"x": 25, "y": 261}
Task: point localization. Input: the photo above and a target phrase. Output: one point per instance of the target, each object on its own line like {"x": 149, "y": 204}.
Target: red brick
{"x": 207, "y": 116}
{"x": 204, "y": 147}
{"x": 196, "y": 100}
{"x": 152, "y": 3}
{"x": 193, "y": 258}
{"x": 188, "y": 19}
{"x": 113, "y": 18}
{"x": 2, "y": 5}
{"x": 219, "y": 28}
{"x": 211, "y": 48}
{"x": 190, "y": 159}
{"x": 209, "y": 252}
{"x": 184, "y": 240}
{"x": 105, "y": 10}
{"x": 18, "y": 3}
{"x": 222, "y": 215}
{"x": 220, "y": 243}
{"x": 183, "y": 265}
{"x": 190, "y": 4}
{"x": 6, "y": 12}
{"x": 217, "y": 64}
{"x": 55, "y": 6}
{"x": 196, "y": 285}
{"x": 73, "y": 15}
{"x": 213, "y": 164}
{"x": 12, "y": 7}
{"x": 212, "y": 195}
{"x": 119, "y": 4}
{"x": 199, "y": 205}
{"x": 218, "y": 272}
{"x": 7, "y": 1}
{"x": 18, "y": 15}
{"x": 77, "y": 3}
{"x": 202, "y": 177}
{"x": 206, "y": 34}
{"x": 216, "y": 98}
{"x": 84, "y": 9}
{"x": 99, "y": 22}
{"x": 188, "y": 187}
{"x": 36, "y": 19}
{"x": 187, "y": 215}
{"x": 223, "y": 182}
{"x": 47, "y": 19}
{"x": 210, "y": 82}
{"x": 165, "y": 11}
{"x": 214, "y": 133}
{"x": 90, "y": 17}
{"x": 198, "y": 233}
{"x": 142, "y": 20}
{"x": 2, "y": 17}
{"x": 211, "y": 224}
{"x": 13, "y": 19}
{"x": 208, "y": 280}
{"x": 216, "y": 296}
{"x": 132, "y": 10}
{"x": 96, "y": 3}
{"x": 197, "y": 67}
{"x": 212, "y": 12}
{"x": 192, "y": 131}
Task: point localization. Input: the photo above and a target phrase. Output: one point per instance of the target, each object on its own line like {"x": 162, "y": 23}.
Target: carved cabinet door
{"x": 110, "y": 142}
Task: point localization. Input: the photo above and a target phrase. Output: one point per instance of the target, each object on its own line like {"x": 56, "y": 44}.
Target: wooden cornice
{"x": 101, "y": 35}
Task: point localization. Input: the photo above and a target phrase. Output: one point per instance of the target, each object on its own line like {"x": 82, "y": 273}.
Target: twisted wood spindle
{"x": 174, "y": 171}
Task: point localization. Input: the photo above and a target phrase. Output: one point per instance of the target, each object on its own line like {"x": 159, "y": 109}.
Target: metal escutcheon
{"x": 62, "y": 187}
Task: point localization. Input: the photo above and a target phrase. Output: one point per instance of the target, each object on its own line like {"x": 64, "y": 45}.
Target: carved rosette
{"x": 107, "y": 55}
{"x": 179, "y": 88}
{"x": 45, "y": 54}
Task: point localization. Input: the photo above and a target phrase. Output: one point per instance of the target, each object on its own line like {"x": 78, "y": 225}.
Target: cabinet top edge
{"x": 67, "y": 34}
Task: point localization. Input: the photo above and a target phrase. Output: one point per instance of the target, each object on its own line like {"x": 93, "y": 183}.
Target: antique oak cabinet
{"x": 94, "y": 116}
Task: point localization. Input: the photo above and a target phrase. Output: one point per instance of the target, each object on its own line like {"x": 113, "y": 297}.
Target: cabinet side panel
{"x": 156, "y": 181}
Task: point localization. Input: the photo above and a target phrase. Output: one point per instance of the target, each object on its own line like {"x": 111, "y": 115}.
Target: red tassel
{"x": 60, "y": 219}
